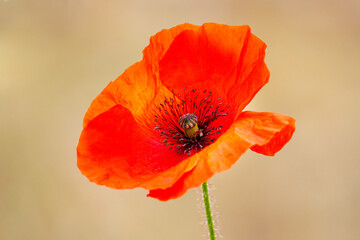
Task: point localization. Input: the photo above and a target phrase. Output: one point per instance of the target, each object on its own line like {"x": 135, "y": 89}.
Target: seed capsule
{"x": 188, "y": 123}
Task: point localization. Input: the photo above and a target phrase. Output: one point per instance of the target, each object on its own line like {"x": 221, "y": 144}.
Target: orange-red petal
{"x": 113, "y": 151}
{"x": 136, "y": 89}
{"x": 160, "y": 43}
{"x": 227, "y": 60}
{"x": 266, "y": 132}
{"x": 274, "y": 126}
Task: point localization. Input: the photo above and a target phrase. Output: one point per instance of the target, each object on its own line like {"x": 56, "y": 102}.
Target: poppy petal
{"x": 138, "y": 87}
{"x": 266, "y": 126}
{"x": 160, "y": 43}
{"x": 227, "y": 60}
{"x": 113, "y": 151}
{"x": 135, "y": 89}
{"x": 265, "y": 133}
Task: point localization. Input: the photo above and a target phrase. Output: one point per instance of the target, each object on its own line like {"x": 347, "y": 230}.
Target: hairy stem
{"x": 208, "y": 210}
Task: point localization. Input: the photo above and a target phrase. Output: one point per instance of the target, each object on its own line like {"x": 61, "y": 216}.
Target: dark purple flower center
{"x": 187, "y": 122}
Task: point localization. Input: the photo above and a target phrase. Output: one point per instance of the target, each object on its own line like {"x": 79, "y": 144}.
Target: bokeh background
{"x": 57, "y": 55}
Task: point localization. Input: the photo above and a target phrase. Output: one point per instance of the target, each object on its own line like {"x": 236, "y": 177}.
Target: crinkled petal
{"x": 263, "y": 132}
{"x": 138, "y": 88}
{"x": 113, "y": 151}
{"x": 227, "y": 60}
{"x": 135, "y": 89}
{"x": 160, "y": 43}
{"x": 274, "y": 126}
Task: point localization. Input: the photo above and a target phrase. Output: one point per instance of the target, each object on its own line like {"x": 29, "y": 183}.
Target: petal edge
{"x": 265, "y": 133}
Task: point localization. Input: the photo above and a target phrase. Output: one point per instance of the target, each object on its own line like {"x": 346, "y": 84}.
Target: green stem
{"x": 208, "y": 211}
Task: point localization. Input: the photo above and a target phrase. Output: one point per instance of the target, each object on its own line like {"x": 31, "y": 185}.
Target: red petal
{"x": 175, "y": 191}
{"x": 161, "y": 42}
{"x": 266, "y": 132}
{"x": 275, "y": 130}
{"x": 135, "y": 89}
{"x": 139, "y": 88}
{"x": 227, "y": 60}
{"x": 114, "y": 151}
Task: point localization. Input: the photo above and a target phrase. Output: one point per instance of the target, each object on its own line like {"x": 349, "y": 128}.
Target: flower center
{"x": 187, "y": 123}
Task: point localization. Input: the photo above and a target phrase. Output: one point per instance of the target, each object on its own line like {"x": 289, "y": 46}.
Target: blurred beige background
{"x": 56, "y": 56}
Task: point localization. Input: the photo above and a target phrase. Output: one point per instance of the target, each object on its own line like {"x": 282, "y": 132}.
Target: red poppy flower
{"x": 174, "y": 119}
